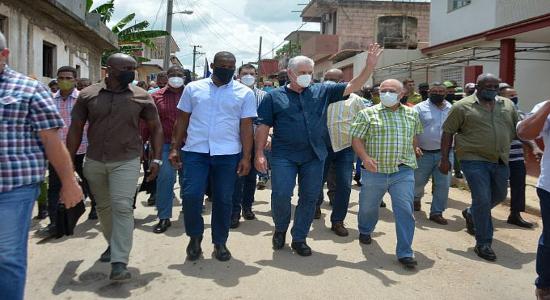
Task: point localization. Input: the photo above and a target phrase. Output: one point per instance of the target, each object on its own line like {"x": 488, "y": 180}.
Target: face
{"x": 450, "y": 91}
{"x": 332, "y": 76}
{"x": 509, "y": 93}
{"x": 121, "y": 66}
{"x": 247, "y": 71}
{"x": 282, "y": 76}
{"x": 438, "y": 90}
{"x": 391, "y": 86}
{"x": 175, "y": 73}
{"x": 488, "y": 84}
{"x": 410, "y": 85}
{"x": 66, "y": 80}
{"x": 224, "y": 62}
{"x": 54, "y": 88}
{"x": 302, "y": 69}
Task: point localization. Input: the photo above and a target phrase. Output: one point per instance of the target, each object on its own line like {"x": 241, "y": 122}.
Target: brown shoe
{"x": 339, "y": 229}
{"x": 543, "y": 294}
{"x": 439, "y": 219}
{"x": 417, "y": 205}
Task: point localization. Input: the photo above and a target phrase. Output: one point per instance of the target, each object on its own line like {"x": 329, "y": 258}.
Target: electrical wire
{"x": 158, "y": 11}
{"x": 185, "y": 28}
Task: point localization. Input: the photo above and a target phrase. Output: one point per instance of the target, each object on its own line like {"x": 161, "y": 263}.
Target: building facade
{"x": 45, "y": 35}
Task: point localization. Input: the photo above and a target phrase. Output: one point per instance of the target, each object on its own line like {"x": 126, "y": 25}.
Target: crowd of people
{"x": 224, "y": 137}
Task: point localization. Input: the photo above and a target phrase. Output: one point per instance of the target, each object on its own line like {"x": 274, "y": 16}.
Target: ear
{"x": 212, "y": 66}
{"x": 5, "y": 52}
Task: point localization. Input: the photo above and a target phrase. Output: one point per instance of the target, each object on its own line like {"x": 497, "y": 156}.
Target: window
{"x": 456, "y": 4}
{"x": 3, "y": 25}
{"x": 397, "y": 32}
{"x": 453, "y": 73}
{"x": 48, "y": 59}
{"x": 77, "y": 67}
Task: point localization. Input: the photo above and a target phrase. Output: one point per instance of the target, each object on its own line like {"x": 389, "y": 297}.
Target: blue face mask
{"x": 488, "y": 95}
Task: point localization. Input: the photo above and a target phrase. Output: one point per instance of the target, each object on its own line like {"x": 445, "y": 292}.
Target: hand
{"x": 260, "y": 163}
{"x": 70, "y": 194}
{"x": 153, "y": 172}
{"x": 174, "y": 158}
{"x": 538, "y": 153}
{"x": 370, "y": 164}
{"x": 244, "y": 167}
{"x": 444, "y": 166}
{"x": 418, "y": 152}
{"x": 374, "y": 53}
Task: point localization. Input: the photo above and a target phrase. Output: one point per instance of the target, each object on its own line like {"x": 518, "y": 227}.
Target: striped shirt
{"x": 388, "y": 135}
{"x": 26, "y": 108}
{"x": 516, "y": 148}
{"x": 65, "y": 106}
{"x": 339, "y": 118}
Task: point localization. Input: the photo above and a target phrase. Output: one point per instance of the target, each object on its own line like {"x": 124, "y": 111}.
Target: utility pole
{"x": 260, "y": 59}
{"x": 194, "y": 57}
{"x": 168, "y": 38}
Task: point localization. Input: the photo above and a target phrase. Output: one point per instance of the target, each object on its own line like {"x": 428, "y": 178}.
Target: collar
{"x": 447, "y": 104}
{"x": 103, "y": 86}
{"x": 210, "y": 81}
{"x": 498, "y": 99}
{"x": 7, "y": 73}
{"x": 73, "y": 94}
{"x": 383, "y": 107}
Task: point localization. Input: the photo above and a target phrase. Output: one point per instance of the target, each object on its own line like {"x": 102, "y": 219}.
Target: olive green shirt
{"x": 482, "y": 134}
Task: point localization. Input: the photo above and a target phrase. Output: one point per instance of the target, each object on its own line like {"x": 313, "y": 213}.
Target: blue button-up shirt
{"x": 432, "y": 118}
{"x": 299, "y": 120}
{"x": 216, "y": 113}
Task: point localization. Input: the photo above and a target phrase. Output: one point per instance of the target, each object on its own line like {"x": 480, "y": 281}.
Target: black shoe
{"x": 162, "y": 226}
{"x": 417, "y": 205}
{"x": 317, "y": 215}
{"x": 47, "y": 231}
{"x": 222, "y": 253}
{"x": 383, "y": 204}
{"x": 151, "y": 201}
{"x": 301, "y": 248}
{"x": 278, "y": 239}
{"x": 357, "y": 181}
{"x": 106, "y": 256}
{"x": 248, "y": 214}
{"x": 235, "y": 222}
{"x": 42, "y": 212}
{"x": 119, "y": 272}
{"x": 365, "y": 239}
{"x": 459, "y": 175}
{"x": 469, "y": 222}
{"x": 485, "y": 252}
{"x": 408, "y": 262}
{"x": 194, "y": 250}
{"x": 516, "y": 219}
{"x": 93, "y": 214}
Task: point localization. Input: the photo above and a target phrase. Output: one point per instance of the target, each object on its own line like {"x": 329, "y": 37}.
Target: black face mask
{"x": 450, "y": 97}
{"x": 404, "y": 100}
{"x": 223, "y": 74}
{"x": 125, "y": 77}
{"x": 424, "y": 95}
{"x": 282, "y": 82}
{"x": 515, "y": 100}
{"x": 436, "y": 98}
{"x": 487, "y": 95}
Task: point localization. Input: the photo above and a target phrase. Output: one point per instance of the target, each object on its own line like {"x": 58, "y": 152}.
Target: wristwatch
{"x": 157, "y": 161}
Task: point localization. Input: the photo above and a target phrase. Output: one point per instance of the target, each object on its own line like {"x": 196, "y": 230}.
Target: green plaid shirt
{"x": 388, "y": 135}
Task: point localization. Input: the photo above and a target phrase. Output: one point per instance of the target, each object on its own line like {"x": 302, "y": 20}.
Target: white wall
{"x": 511, "y": 11}
{"x": 474, "y": 18}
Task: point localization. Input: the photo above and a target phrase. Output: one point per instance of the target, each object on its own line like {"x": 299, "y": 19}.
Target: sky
{"x": 216, "y": 25}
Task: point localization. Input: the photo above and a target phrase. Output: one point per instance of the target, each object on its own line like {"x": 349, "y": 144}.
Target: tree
{"x": 286, "y": 50}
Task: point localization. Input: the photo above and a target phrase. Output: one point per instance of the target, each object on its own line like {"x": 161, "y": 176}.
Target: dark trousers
{"x": 517, "y": 186}
{"x": 543, "y": 252}
{"x": 245, "y": 188}
{"x": 223, "y": 171}
{"x": 54, "y": 187}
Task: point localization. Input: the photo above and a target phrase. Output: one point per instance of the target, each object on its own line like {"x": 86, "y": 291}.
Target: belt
{"x": 431, "y": 151}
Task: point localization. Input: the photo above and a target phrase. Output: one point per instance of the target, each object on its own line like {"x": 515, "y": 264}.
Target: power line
{"x": 158, "y": 11}
{"x": 185, "y": 30}
{"x": 281, "y": 43}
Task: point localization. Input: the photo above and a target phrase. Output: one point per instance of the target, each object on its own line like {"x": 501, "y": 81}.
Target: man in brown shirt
{"x": 483, "y": 126}
{"x": 113, "y": 109}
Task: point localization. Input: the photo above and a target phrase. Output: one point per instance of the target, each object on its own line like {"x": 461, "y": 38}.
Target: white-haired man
{"x": 297, "y": 112}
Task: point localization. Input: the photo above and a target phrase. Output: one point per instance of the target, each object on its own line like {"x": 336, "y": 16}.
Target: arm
{"x": 416, "y": 148}
{"x": 260, "y": 162}
{"x": 446, "y": 144}
{"x": 59, "y": 157}
{"x": 532, "y": 126}
{"x": 178, "y": 138}
{"x": 368, "y": 162}
{"x": 247, "y": 140}
{"x": 74, "y": 136}
{"x": 157, "y": 139}
{"x": 357, "y": 83}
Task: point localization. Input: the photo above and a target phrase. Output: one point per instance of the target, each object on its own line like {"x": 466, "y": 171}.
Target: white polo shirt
{"x": 216, "y": 113}
{"x": 544, "y": 178}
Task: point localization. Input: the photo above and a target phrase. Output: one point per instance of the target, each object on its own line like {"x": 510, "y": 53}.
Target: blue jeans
{"x": 245, "y": 188}
{"x": 343, "y": 169}
{"x": 543, "y": 252}
{"x": 428, "y": 166}
{"x": 222, "y": 170}
{"x": 283, "y": 181}
{"x": 165, "y": 185}
{"x": 15, "y": 217}
{"x": 400, "y": 185}
{"x": 488, "y": 185}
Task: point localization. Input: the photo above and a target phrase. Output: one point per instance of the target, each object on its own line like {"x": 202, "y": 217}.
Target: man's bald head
{"x": 225, "y": 56}
{"x": 487, "y": 77}
{"x": 394, "y": 84}
{"x": 335, "y": 75}
{"x": 120, "y": 59}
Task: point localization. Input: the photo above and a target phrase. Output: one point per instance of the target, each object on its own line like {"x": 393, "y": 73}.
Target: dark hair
{"x": 67, "y": 69}
{"x": 162, "y": 74}
{"x": 408, "y": 80}
{"x": 246, "y": 66}
{"x": 438, "y": 84}
{"x": 52, "y": 83}
{"x": 188, "y": 76}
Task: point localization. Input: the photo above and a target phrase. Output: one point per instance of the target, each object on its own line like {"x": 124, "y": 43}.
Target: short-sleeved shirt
{"x": 388, "y": 135}
{"x": 26, "y": 108}
{"x": 299, "y": 120}
{"x": 481, "y": 134}
{"x": 167, "y": 102}
{"x": 544, "y": 178}
{"x": 113, "y": 118}
{"x": 516, "y": 148}
{"x": 415, "y": 98}
{"x": 65, "y": 107}
{"x": 432, "y": 118}
{"x": 216, "y": 113}
{"x": 340, "y": 115}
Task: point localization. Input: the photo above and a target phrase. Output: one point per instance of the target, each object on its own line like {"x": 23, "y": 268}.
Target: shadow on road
{"x": 226, "y": 274}
{"x": 507, "y": 256}
{"x": 96, "y": 280}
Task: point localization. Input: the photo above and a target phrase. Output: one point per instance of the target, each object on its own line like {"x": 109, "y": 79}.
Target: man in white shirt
{"x": 538, "y": 125}
{"x": 216, "y": 125}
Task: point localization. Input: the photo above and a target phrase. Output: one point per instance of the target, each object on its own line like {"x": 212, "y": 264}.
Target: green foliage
{"x": 286, "y": 50}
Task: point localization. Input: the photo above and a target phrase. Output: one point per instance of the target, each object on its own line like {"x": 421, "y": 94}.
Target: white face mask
{"x": 304, "y": 80}
{"x": 175, "y": 82}
{"x": 389, "y": 99}
{"x": 248, "y": 80}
